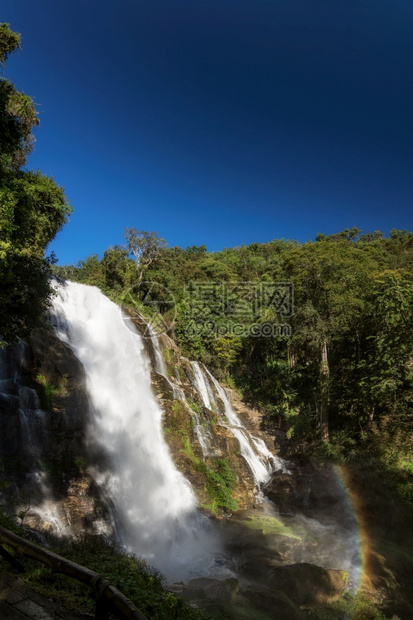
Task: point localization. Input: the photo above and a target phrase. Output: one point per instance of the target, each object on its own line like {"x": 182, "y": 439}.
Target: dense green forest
{"x": 317, "y": 335}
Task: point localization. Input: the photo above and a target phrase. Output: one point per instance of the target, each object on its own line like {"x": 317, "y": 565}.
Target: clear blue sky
{"x": 220, "y": 122}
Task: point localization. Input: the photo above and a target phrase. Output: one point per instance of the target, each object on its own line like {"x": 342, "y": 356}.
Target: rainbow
{"x": 362, "y": 540}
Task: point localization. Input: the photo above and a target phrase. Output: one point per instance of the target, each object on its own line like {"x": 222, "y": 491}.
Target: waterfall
{"x": 52, "y": 515}
{"x": 260, "y": 460}
{"x": 256, "y": 456}
{"x": 177, "y": 392}
{"x": 203, "y": 387}
{"x": 276, "y": 462}
{"x": 207, "y": 397}
{"x": 153, "y": 500}
{"x": 160, "y": 366}
{"x": 159, "y": 361}
{"x": 203, "y": 436}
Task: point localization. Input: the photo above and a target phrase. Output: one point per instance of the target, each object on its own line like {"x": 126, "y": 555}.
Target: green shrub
{"x": 47, "y": 390}
{"x": 220, "y": 484}
{"x": 142, "y": 584}
{"x": 352, "y": 607}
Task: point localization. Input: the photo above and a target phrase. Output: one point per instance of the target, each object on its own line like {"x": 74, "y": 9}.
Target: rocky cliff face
{"x": 201, "y": 438}
{"x": 44, "y": 403}
{"x": 44, "y": 417}
{"x": 43, "y": 452}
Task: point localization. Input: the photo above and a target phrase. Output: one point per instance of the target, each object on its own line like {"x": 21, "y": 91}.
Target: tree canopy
{"x": 33, "y": 208}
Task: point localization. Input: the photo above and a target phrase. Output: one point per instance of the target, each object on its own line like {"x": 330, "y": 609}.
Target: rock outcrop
{"x": 43, "y": 439}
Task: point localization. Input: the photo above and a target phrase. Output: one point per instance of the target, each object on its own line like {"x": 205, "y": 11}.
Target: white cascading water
{"x": 154, "y": 502}
{"x": 178, "y": 394}
{"x": 207, "y": 397}
{"x": 276, "y": 461}
{"x": 203, "y": 436}
{"x": 203, "y": 387}
{"x": 53, "y": 516}
{"x": 160, "y": 365}
{"x": 259, "y": 463}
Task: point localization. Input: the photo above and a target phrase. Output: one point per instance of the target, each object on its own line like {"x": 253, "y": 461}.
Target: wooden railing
{"x": 108, "y": 598}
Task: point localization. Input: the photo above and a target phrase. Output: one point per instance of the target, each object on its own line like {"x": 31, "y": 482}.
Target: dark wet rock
{"x": 255, "y": 563}
{"x": 44, "y": 413}
{"x": 224, "y": 591}
{"x": 272, "y": 602}
{"x": 307, "y": 584}
{"x": 282, "y": 490}
{"x": 164, "y": 387}
{"x": 209, "y": 595}
{"x": 225, "y": 598}
{"x": 43, "y": 400}
{"x": 288, "y": 588}
{"x": 312, "y": 490}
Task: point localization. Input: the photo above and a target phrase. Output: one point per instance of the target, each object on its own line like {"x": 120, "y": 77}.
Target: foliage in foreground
{"x": 142, "y": 584}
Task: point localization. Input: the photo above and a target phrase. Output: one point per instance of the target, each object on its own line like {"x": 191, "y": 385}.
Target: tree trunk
{"x": 324, "y": 381}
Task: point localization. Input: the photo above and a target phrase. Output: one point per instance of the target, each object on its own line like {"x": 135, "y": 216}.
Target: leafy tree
{"x": 344, "y": 235}
{"x": 115, "y": 265}
{"x": 226, "y": 349}
{"x": 9, "y": 41}
{"x": 18, "y": 115}
{"x": 400, "y": 235}
{"x": 388, "y": 378}
{"x": 32, "y": 210}
{"x": 369, "y": 237}
{"x": 330, "y": 285}
{"x": 145, "y": 248}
